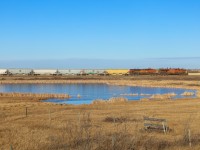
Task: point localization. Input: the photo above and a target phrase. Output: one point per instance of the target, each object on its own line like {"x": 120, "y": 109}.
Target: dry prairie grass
{"x": 101, "y": 126}
{"x": 110, "y": 126}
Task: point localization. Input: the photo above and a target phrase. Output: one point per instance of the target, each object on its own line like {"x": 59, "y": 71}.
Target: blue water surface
{"x": 90, "y": 92}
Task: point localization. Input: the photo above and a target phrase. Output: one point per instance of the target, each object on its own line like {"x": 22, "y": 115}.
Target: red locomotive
{"x": 162, "y": 71}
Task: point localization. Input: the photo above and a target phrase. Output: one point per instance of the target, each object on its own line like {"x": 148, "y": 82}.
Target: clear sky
{"x": 33, "y": 31}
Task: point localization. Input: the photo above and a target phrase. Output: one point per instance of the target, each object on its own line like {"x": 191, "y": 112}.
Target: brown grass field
{"x": 106, "y": 126}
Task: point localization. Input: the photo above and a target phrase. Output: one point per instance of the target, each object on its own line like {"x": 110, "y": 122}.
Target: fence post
{"x": 113, "y": 142}
{"x": 49, "y": 116}
{"x": 189, "y": 136}
{"x": 125, "y": 126}
{"x": 79, "y": 118}
{"x": 11, "y": 147}
{"x": 26, "y": 111}
{"x": 164, "y": 128}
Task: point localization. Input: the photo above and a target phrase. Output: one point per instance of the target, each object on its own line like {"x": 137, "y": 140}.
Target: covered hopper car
{"x": 45, "y": 72}
{"x": 3, "y": 71}
{"x": 19, "y": 71}
{"x": 70, "y": 71}
{"x": 117, "y": 72}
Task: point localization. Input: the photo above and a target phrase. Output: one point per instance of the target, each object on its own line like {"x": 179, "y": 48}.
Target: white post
{"x": 164, "y": 127}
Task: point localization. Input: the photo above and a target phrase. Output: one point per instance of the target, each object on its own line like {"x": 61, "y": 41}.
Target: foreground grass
{"x": 101, "y": 127}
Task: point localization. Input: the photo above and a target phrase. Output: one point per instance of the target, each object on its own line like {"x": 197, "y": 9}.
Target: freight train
{"x": 161, "y": 71}
{"x": 103, "y": 72}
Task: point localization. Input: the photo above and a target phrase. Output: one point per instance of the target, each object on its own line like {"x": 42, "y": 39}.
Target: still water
{"x": 90, "y": 92}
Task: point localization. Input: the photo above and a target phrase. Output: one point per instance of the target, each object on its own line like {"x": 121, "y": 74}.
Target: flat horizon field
{"x": 28, "y": 123}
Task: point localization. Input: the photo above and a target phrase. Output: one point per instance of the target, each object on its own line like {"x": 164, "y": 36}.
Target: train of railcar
{"x": 161, "y": 71}
{"x": 104, "y": 72}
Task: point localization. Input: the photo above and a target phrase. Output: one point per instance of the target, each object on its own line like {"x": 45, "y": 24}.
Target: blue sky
{"x": 105, "y": 33}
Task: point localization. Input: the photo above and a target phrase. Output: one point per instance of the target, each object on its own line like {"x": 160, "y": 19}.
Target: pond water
{"x": 90, "y": 92}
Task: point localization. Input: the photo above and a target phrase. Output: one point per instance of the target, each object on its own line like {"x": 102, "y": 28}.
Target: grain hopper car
{"x": 19, "y": 72}
{"x": 3, "y": 72}
{"x": 117, "y": 72}
{"x": 45, "y": 72}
